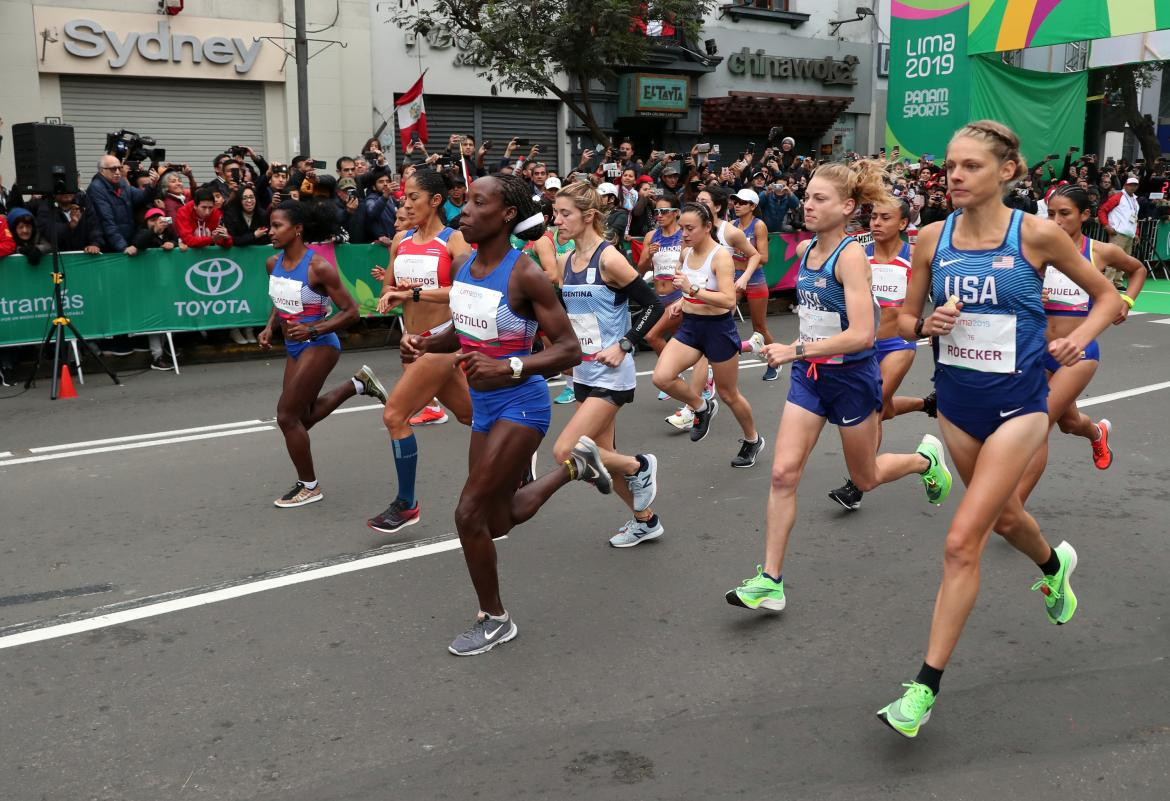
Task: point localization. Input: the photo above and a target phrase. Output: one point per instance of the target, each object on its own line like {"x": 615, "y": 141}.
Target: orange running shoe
{"x": 429, "y": 416}
{"x": 1102, "y": 456}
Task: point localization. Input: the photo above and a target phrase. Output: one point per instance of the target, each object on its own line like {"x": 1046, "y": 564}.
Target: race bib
{"x": 889, "y": 284}
{"x": 417, "y": 268}
{"x": 664, "y": 263}
{"x": 1061, "y": 293}
{"x": 285, "y": 294}
{"x": 588, "y": 331}
{"x": 983, "y": 342}
{"x": 473, "y": 311}
{"x": 818, "y": 324}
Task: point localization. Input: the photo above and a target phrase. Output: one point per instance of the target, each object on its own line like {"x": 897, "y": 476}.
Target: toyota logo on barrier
{"x": 214, "y": 277}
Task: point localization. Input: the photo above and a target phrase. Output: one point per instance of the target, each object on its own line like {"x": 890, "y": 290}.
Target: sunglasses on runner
{"x": 665, "y": 211}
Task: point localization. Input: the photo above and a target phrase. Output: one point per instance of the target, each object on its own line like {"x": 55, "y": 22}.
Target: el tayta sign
{"x": 644, "y": 95}
{"x": 92, "y": 42}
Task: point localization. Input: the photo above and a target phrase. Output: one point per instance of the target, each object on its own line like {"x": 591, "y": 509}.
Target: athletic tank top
{"x": 666, "y": 259}
{"x": 482, "y": 316}
{"x": 600, "y": 317}
{"x": 740, "y": 258}
{"x": 995, "y": 352}
{"x": 428, "y": 264}
{"x": 890, "y": 279}
{"x": 1063, "y": 296}
{"x": 822, "y": 305}
{"x": 704, "y": 276}
{"x": 723, "y": 243}
{"x": 295, "y": 301}
{"x": 568, "y": 247}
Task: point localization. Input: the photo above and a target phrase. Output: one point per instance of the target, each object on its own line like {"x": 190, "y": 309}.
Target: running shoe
{"x": 754, "y": 344}
{"x": 662, "y": 395}
{"x": 709, "y": 387}
{"x": 162, "y": 362}
{"x": 748, "y": 451}
{"x": 430, "y": 416}
{"x": 586, "y": 459}
{"x": 370, "y": 383}
{"x": 484, "y": 635}
{"x": 937, "y": 478}
{"x": 397, "y": 516}
{"x": 758, "y": 592}
{"x": 848, "y": 496}
{"x": 1059, "y": 599}
{"x": 636, "y": 531}
{"x": 299, "y": 495}
{"x": 703, "y": 420}
{"x": 683, "y": 419}
{"x": 644, "y": 483}
{"x": 1102, "y": 456}
{"x": 908, "y": 713}
{"x": 930, "y": 404}
{"x": 567, "y": 395}
{"x": 771, "y": 373}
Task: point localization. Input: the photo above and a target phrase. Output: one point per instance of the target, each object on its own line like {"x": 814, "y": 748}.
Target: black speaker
{"x": 46, "y": 162}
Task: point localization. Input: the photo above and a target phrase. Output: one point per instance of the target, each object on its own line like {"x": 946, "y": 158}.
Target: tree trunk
{"x": 583, "y": 110}
{"x": 1141, "y": 124}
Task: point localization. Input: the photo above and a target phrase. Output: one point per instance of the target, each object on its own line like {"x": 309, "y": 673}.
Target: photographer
{"x": 935, "y": 209}
{"x": 277, "y": 185}
{"x": 157, "y": 233}
{"x": 65, "y": 218}
{"x": 775, "y": 205}
{"x": 379, "y": 211}
{"x": 199, "y": 222}
{"x": 245, "y": 220}
{"x": 349, "y": 211}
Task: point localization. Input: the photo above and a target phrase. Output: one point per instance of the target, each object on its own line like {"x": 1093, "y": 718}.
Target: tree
{"x": 525, "y": 45}
{"x": 1121, "y": 85}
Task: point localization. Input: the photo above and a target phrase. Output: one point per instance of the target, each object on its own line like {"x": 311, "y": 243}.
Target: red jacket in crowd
{"x": 7, "y": 241}
{"x": 186, "y": 224}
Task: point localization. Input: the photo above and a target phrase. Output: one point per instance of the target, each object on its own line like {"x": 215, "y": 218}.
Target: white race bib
{"x": 285, "y": 294}
{"x": 588, "y": 331}
{"x": 473, "y": 311}
{"x": 417, "y": 268}
{"x": 665, "y": 262}
{"x": 983, "y": 342}
{"x": 889, "y": 284}
{"x": 1062, "y": 293}
{"x": 816, "y": 324}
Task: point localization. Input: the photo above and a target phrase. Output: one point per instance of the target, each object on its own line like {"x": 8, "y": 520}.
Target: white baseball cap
{"x": 1133, "y": 179}
{"x": 552, "y": 182}
{"x": 607, "y": 189}
{"x": 749, "y": 196}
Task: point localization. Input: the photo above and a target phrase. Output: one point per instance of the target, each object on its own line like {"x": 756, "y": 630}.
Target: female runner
{"x": 707, "y": 330}
{"x": 419, "y": 280}
{"x": 835, "y": 376}
{"x": 660, "y": 252}
{"x": 992, "y": 393}
{"x": 597, "y": 287}
{"x": 498, "y": 299}
{"x": 750, "y": 282}
{"x": 301, "y": 296}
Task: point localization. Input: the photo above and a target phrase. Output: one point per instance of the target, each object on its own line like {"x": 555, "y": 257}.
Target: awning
{"x": 748, "y": 113}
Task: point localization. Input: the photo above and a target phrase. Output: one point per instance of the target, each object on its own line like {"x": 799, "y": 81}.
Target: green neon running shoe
{"x": 908, "y": 713}
{"x": 1059, "y": 599}
{"x": 937, "y": 477}
{"x": 758, "y": 592}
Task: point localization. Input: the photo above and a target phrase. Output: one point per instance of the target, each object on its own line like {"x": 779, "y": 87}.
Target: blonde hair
{"x": 586, "y": 199}
{"x": 1001, "y": 140}
{"x": 862, "y": 181}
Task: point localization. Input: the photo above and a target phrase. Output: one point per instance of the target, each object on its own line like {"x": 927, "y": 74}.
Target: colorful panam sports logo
{"x": 213, "y": 278}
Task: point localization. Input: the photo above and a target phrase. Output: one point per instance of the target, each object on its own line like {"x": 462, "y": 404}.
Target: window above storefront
{"x": 775, "y": 10}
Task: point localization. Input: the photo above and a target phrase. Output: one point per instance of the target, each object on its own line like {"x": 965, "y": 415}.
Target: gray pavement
{"x": 631, "y": 678}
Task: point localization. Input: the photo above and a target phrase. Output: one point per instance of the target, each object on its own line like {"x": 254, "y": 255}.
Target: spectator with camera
{"x": 199, "y": 223}
{"x": 277, "y": 176}
{"x": 935, "y": 209}
{"x": 379, "y": 211}
{"x": 157, "y": 232}
{"x": 777, "y": 202}
{"x": 113, "y": 201}
{"x": 64, "y": 217}
{"x": 245, "y": 220}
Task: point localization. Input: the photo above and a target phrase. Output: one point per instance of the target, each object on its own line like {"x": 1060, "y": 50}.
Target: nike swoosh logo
{"x": 489, "y": 636}
{"x": 947, "y": 262}
{"x": 1010, "y": 413}
{"x": 847, "y": 422}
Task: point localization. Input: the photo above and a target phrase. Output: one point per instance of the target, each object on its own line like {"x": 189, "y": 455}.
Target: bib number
{"x": 285, "y": 294}
{"x": 588, "y": 331}
{"x": 983, "y": 342}
{"x": 664, "y": 263}
{"x": 818, "y": 324}
{"x": 1062, "y": 293}
{"x": 473, "y": 311}
{"x": 417, "y": 268}
{"x": 889, "y": 284}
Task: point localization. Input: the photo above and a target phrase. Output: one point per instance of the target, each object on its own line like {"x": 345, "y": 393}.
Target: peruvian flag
{"x": 412, "y": 115}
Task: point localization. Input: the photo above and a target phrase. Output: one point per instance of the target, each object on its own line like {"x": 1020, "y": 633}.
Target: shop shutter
{"x": 534, "y": 120}
{"x": 445, "y": 116}
{"x": 193, "y": 120}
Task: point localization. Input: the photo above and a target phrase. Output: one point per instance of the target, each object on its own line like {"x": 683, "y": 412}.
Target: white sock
{"x": 358, "y": 386}
{"x": 309, "y": 484}
{"x": 498, "y": 618}
{"x": 703, "y": 407}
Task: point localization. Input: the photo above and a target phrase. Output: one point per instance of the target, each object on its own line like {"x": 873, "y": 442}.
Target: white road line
{"x": 1125, "y": 393}
{"x": 216, "y": 596}
{"x": 5, "y": 454}
{"x": 45, "y": 457}
{"x": 136, "y": 437}
{"x": 1161, "y": 322}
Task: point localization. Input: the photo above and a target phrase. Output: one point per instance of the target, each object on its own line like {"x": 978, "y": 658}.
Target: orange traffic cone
{"x": 66, "y": 384}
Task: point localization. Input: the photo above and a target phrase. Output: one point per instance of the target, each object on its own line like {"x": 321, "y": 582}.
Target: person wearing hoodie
{"x": 380, "y": 211}
{"x": 199, "y": 222}
{"x": 29, "y": 242}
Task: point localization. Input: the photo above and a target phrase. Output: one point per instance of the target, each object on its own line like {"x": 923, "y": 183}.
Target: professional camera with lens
{"x": 130, "y": 147}
{"x": 238, "y": 150}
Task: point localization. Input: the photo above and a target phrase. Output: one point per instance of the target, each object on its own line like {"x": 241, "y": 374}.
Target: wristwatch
{"x": 694, "y": 290}
{"x": 626, "y": 345}
{"x": 312, "y": 332}
{"x": 918, "y": 327}
{"x": 517, "y": 367}
{"x": 416, "y": 293}
{"x": 800, "y": 350}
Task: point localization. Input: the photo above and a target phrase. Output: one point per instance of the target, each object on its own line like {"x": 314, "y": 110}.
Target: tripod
{"x": 58, "y": 322}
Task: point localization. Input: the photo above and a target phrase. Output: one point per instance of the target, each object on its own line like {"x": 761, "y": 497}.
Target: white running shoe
{"x": 683, "y": 419}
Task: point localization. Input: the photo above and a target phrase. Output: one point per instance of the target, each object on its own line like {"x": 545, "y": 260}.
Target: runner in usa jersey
{"x": 982, "y": 268}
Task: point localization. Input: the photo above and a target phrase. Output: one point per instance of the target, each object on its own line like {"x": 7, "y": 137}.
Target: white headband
{"x": 531, "y": 222}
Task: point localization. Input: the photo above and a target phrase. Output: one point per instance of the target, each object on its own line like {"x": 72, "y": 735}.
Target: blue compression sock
{"x": 406, "y": 465}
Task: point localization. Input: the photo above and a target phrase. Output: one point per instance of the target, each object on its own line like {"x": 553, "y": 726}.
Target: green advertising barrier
{"x": 159, "y": 290}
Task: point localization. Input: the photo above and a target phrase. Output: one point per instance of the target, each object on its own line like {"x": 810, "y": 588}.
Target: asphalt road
{"x": 631, "y": 678}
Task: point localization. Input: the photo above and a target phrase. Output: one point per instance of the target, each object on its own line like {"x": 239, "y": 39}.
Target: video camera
{"x": 130, "y": 147}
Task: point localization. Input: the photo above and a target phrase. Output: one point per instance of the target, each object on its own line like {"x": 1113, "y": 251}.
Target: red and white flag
{"x": 412, "y": 115}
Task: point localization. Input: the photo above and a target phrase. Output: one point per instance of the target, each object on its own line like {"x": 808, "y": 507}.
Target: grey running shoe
{"x": 373, "y": 387}
{"x": 748, "y": 451}
{"x": 637, "y": 531}
{"x": 703, "y": 420}
{"x": 484, "y": 635}
{"x": 644, "y": 484}
{"x": 587, "y": 459}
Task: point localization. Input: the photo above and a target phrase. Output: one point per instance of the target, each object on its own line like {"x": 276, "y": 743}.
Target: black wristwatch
{"x": 416, "y": 294}
{"x": 312, "y": 332}
{"x": 626, "y": 345}
{"x": 918, "y": 327}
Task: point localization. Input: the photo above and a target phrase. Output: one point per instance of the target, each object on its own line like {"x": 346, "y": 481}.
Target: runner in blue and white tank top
{"x": 597, "y": 287}
{"x": 303, "y": 287}
{"x": 835, "y": 375}
{"x": 982, "y": 268}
